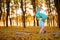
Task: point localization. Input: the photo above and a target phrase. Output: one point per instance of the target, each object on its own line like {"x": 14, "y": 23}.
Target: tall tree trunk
{"x": 33, "y": 2}
{"x": 34, "y": 7}
{"x": 8, "y": 9}
{"x": 23, "y": 13}
{"x": 0, "y": 9}
{"x": 0, "y": 13}
{"x": 49, "y": 13}
{"x": 34, "y": 10}
{"x": 57, "y": 4}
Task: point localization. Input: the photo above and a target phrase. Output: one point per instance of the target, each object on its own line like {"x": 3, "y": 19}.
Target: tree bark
{"x": 57, "y": 4}
{"x": 23, "y": 13}
{"x": 0, "y": 13}
{"x": 0, "y": 9}
{"x": 8, "y": 9}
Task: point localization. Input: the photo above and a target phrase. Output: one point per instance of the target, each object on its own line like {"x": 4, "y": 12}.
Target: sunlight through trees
{"x": 22, "y": 12}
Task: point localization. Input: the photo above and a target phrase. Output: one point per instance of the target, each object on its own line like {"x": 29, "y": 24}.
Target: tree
{"x": 34, "y": 7}
{"x": 34, "y": 10}
{"x": 23, "y": 13}
{"x": 8, "y": 9}
{"x": 0, "y": 9}
{"x": 0, "y": 12}
{"x": 57, "y": 4}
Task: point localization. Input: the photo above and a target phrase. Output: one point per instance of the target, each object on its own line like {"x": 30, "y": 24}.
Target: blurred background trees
{"x": 22, "y": 12}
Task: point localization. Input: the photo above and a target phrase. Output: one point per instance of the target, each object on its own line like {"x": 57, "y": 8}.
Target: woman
{"x": 43, "y": 18}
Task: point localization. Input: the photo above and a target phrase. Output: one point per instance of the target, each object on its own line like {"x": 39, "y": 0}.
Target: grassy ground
{"x": 29, "y": 33}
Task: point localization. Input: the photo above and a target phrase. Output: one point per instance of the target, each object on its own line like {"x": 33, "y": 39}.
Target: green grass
{"x": 31, "y": 33}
